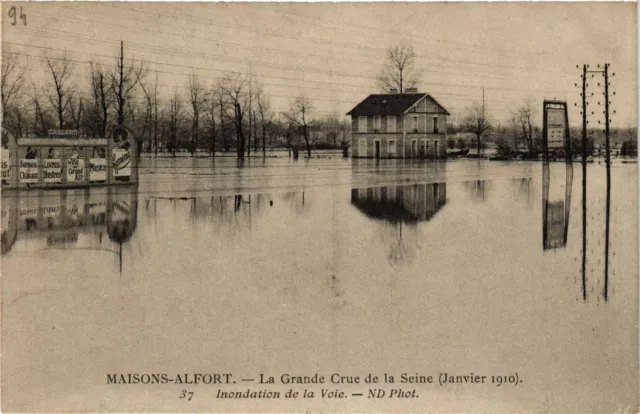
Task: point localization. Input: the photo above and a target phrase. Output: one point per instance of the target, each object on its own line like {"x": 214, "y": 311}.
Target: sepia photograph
{"x": 314, "y": 207}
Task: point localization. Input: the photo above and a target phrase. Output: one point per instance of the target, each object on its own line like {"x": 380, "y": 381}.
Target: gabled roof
{"x": 390, "y": 104}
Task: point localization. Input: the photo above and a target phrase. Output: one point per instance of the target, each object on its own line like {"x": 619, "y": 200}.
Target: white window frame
{"x": 426, "y": 146}
{"x": 391, "y": 124}
{"x": 414, "y": 123}
{"x": 377, "y": 123}
{"x": 362, "y": 124}
{"x": 392, "y": 147}
{"x": 436, "y": 148}
{"x": 436, "y": 124}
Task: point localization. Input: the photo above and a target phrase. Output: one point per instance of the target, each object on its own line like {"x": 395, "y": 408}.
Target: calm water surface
{"x": 325, "y": 266}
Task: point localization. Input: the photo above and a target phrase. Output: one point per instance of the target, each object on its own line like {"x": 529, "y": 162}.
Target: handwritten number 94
{"x": 13, "y": 14}
{"x": 186, "y": 394}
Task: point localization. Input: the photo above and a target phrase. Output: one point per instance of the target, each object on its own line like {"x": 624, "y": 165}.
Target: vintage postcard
{"x": 319, "y": 207}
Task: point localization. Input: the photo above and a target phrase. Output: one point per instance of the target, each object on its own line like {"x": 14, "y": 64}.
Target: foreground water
{"x": 325, "y": 266}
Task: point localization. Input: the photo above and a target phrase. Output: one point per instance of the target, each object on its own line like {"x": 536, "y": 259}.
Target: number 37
{"x": 13, "y": 15}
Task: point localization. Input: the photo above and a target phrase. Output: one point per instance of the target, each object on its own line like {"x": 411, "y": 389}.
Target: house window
{"x": 391, "y": 147}
{"x": 435, "y": 124}
{"x": 391, "y": 124}
{"x": 376, "y": 124}
{"x": 362, "y": 124}
{"x": 414, "y": 124}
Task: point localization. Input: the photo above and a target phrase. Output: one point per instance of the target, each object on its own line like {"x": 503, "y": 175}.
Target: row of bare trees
{"x": 232, "y": 113}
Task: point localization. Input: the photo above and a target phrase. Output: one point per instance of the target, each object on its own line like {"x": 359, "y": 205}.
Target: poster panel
{"x": 6, "y": 164}
{"x": 97, "y": 169}
{"x": 75, "y": 170}
{"x": 121, "y": 162}
{"x": 28, "y": 171}
{"x": 52, "y": 170}
{"x": 555, "y": 128}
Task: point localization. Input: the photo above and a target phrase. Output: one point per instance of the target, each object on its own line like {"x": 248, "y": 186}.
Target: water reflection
{"x": 398, "y": 205}
{"x": 556, "y": 205}
{"x": 478, "y": 190}
{"x": 236, "y": 211}
{"x": 524, "y": 188}
{"x": 84, "y": 219}
{"x": 401, "y": 203}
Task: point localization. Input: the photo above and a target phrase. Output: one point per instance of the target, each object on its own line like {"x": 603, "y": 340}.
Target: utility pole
{"x": 607, "y": 121}
{"x": 584, "y": 182}
{"x": 250, "y": 110}
{"x": 608, "y": 168}
{"x": 484, "y": 123}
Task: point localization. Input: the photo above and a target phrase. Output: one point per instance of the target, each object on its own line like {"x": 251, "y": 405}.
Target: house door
{"x": 376, "y": 146}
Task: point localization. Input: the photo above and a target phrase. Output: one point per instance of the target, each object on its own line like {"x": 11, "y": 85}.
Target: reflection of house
{"x": 406, "y": 125}
{"x": 407, "y": 203}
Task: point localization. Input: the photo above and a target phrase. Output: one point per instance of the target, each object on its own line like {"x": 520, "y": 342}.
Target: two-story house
{"x": 405, "y": 125}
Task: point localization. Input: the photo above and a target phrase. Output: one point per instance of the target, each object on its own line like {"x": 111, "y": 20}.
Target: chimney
{"x": 393, "y": 90}
{"x": 411, "y": 90}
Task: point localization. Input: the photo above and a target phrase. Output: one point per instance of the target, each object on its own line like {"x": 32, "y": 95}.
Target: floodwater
{"x": 327, "y": 266}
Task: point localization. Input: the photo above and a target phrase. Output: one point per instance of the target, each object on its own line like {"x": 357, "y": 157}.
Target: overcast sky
{"x": 332, "y": 52}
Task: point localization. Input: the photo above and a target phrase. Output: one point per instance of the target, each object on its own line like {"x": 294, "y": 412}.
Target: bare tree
{"x": 476, "y": 122}
{"x": 332, "y": 126}
{"x": 123, "y": 81}
{"x": 524, "y": 115}
{"x": 211, "y": 119}
{"x": 234, "y": 88}
{"x": 175, "y": 108}
{"x": 40, "y": 117}
{"x": 221, "y": 107}
{"x": 13, "y": 78}
{"x": 266, "y": 118}
{"x": 289, "y": 122}
{"x": 102, "y": 99}
{"x": 149, "y": 99}
{"x": 399, "y": 73}
{"x": 60, "y": 69}
{"x": 301, "y": 113}
{"x": 75, "y": 109}
{"x": 155, "y": 115}
{"x": 195, "y": 98}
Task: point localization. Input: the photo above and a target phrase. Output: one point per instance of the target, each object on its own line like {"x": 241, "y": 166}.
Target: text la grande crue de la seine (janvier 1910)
{"x": 333, "y": 386}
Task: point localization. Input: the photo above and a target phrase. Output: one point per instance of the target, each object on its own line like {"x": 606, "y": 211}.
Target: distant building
{"x": 407, "y": 125}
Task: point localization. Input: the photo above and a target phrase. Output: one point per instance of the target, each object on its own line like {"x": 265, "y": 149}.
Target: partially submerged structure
{"x": 400, "y": 125}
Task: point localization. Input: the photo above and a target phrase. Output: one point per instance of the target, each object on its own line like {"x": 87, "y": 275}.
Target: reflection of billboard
{"x": 52, "y": 171}
{"x": 28, "y": 171}
{"x": 67, "y": 217}
{"x": 555, "y": 224}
